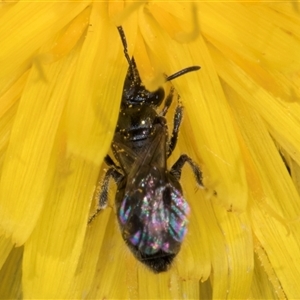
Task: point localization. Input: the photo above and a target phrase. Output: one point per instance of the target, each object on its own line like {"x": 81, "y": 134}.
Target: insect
{"x": 151, "y": 210}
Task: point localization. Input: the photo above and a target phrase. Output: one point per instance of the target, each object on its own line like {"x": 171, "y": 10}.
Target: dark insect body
{"x": 151, "y": 210}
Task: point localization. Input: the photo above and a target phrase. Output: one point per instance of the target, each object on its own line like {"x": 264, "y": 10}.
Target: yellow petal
{"x": 279, "y": 189}
{"x": 205, "y": 102}
{"x": 22, "y": 36}
{"x": 11, "y": 275}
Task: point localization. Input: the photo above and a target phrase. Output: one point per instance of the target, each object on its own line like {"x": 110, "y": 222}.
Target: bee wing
{"x": 153, "y": 212}
{"x": 154, "y": 217}
{"x": 124, "y": 154}
{"x": 132, "y": 161}
{"x": 153, "y": 156}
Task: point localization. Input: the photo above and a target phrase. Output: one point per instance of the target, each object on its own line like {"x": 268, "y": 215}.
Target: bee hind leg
{"x": 177, "y": 168}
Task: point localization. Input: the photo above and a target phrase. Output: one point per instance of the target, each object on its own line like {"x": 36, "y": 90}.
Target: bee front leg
{"x": 168, "y": 103}
{"x": 176, "y": 125}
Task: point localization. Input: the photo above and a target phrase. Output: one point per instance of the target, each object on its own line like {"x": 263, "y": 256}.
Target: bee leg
{"x": 176, "y": 125}
{"x": 177, "y": 119}
{"x": 177, "y": 167}
{"x": 112, "y": 172}
{"x": 168, "y": 102}
{"x": 109, "y": 161}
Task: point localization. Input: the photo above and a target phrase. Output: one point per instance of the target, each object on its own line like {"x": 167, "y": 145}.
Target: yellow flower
{"x": 61, "y": 78}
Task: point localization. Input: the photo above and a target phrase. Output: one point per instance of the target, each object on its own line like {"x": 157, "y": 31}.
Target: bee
{"x": 151, "y": 209}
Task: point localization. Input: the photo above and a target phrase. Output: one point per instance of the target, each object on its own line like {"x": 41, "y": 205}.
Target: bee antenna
{"x": 125, "y": 47}
{"x": 182, "y": 72}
